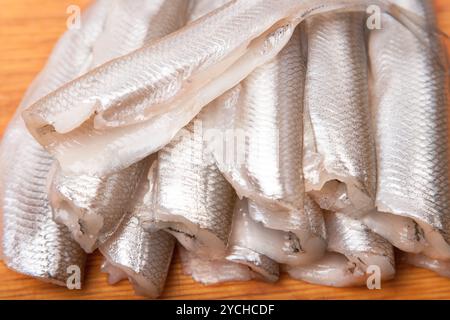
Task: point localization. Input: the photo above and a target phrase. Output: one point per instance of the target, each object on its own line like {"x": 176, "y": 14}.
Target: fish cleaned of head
{"x": 410, "y": 89}
{"x": 32, "y": 243}
{"x": 352, "y": 249}
{"x": 137, "y": 254}
{"x": 158, "y": 89}
{"x": 337, "y": 106}
{"x": 91, "y": 206}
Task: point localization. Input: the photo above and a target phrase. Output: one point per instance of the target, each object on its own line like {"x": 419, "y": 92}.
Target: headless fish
{"x": 282, "y": 247}
{"x": 137, "y": 254}
{"x": 32, "y": 243}
{"x": 337, "y": 107}
{"x": 267, "y": 120}
{"x": 193, "y": 201}
{"x": 91, "y": 206}
{"x": 410, "y": 88}
{"x": 101, "y": 122}
{"x": 353, "y": 249}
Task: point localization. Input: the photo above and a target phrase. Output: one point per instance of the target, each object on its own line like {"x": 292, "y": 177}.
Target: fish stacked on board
{"x": 301, "y": 142}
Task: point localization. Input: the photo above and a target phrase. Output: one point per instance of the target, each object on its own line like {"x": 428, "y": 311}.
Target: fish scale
{"x": 32, "y": 243}
{"x": 164, "y": 84}
{"x": 337, "y": 102}
{"x": 410, "y": 106}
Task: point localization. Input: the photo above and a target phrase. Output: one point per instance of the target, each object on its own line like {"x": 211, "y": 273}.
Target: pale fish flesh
{"x": 101, "y": 122}
{"x": 410, "y": 88}
{"x": 137, "y": 254}
{"x": 421, "y": 261}
{"x": 280, "y": 246}
{"x": 93, "y": 206}
{"x": 32, "y": 243}
{"x": 211, "y": 272}
{"x": 353, "y": 248}
{"x": 337, "y": 104}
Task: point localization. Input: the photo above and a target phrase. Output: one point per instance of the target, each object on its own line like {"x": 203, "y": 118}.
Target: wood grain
{"x": 28, "y": 31}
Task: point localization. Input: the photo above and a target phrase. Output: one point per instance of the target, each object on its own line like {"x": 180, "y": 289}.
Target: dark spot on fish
{"x": 294, "y": 243}
{"x": 182, "y": 232}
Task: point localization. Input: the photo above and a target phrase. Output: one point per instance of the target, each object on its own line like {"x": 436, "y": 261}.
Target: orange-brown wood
{"x": 28, "y": 31}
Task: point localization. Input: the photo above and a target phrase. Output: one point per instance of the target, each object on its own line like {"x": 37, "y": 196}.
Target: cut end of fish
{"x": 268, "y": 269}
{"x": 192, "y": 237}
{"x": 333, "y": 270}
{"x": 441, "y": 267}
{"x": 209, "y": 272}
{"x": 404, "y": 233}
{"x": 142, "y": 286}
{"x": 437, "y": 247}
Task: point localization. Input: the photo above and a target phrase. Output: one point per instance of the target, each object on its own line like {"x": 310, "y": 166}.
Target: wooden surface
{"x": 28, "y": 31}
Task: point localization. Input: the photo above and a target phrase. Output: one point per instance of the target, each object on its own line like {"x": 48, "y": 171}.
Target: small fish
{"x": 93, "y": 206}
{"x": 410, "y": 86}
{"x": 352, "y": 249}
{"x": 32, "y": 243}
{"x": 337, "y": 104}
{"x": 158, "y": 89}
{"x": 193, "y": 201}
{"x": 267, "y": 123}
{"x": 137, "y": 254}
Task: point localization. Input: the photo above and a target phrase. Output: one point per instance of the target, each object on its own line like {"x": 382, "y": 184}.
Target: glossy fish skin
{"x": 306, "y": 227}
{"x": 269, "y": 116}
{"x": 410, "y": 88}
{"x": 183, "y": 72}
{"x": 199, "y": 8}
{"x": 93, "y": 206}
{"x": 280, "y": 246}
{"x": 32, "y": 243}
{"x": 193, "y": 200}
{"x": 352, "y": 249}
{"x": 142, "y": 256}
{"x": 337, "y": 102}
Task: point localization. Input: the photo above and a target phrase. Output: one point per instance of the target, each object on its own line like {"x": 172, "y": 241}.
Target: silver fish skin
{"x": 410, "y": 89}
{"x": 280, "y": 246}
{"x": 307, "y": 227}
{"x": 211, "y": 272}
{"x": 93, "y": 206}
{"x": 32, "y": 243}
{"x": 193, "y": 201}
{"x": 163, "y": 86}
{"x": 137, "y": 254}
{"x": 352, "y": 249}
{"x": 421, "y": 261}
{"x": 199, "y": 8}
{"x": 337, "y": 103}
{"x": 267, "y": 123}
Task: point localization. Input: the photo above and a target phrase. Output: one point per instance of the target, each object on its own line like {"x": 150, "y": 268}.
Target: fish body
{"x": 353, "y": 251}
{"x": 32, "y": 243}
{"x": 92, "y": 206}
{"x": 160, "y": 88}
{"x": 410, "y": 85}
{"x": 337, "y": 104}
{"x": 193, "y": 200}
{"x": 140, "y": 255}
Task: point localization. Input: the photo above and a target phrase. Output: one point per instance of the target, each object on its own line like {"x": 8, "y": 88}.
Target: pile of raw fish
{"x": 261, "y": 135}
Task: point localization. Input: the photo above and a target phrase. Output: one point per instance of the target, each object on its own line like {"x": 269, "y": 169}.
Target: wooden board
{"x": 28, "y": 31}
